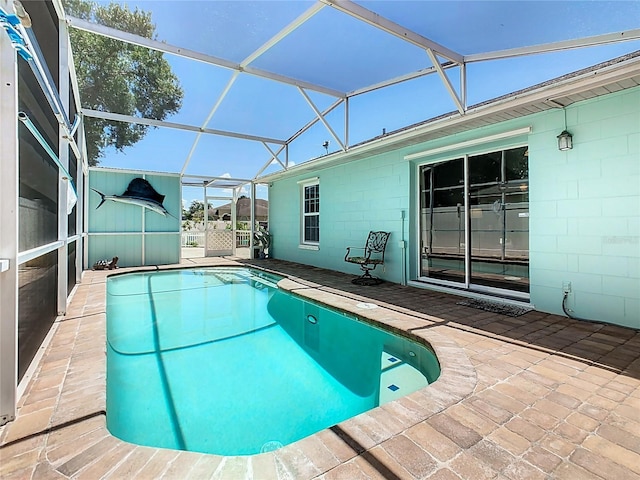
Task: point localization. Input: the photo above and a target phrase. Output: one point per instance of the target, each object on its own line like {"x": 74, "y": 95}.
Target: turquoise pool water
{"x": 219, "y": 360}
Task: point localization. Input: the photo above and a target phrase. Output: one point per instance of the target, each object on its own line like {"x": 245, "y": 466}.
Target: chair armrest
{"x": 349, "y": 251}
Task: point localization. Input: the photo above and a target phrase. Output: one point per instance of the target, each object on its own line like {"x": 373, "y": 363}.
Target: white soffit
{"x": 469, "y": 143}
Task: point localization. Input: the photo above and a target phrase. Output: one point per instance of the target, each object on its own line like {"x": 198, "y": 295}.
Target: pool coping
{"x": 79, "y": 406}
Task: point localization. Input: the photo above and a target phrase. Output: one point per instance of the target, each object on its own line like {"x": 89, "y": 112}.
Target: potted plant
{"x": 261, "y": 242}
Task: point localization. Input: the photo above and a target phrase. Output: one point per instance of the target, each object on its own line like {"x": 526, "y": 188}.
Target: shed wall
{"x": 136, "y": 235}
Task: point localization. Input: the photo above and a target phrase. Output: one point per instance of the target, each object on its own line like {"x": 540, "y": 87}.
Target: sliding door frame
{"x": 466, "y": 285}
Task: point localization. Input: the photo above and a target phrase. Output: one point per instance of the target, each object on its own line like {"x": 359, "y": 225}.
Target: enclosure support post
{"x": 346, "y": 123}
{"x": 205, "y": 219}
{"x": 8, "y": 226}
{"x": 63, "y": 156}
{"x": 253, "y": 218}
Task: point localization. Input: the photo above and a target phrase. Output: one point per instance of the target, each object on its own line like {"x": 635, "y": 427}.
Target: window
{"x": 310, "y": 212}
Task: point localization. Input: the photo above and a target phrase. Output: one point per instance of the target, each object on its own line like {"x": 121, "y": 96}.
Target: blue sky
{"x": 340, "y": 52}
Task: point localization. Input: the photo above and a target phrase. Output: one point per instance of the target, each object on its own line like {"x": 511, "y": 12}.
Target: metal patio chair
{"x": 372, "y": 256}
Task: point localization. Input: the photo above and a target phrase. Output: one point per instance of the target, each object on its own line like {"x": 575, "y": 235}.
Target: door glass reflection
{"x": 497, "y": 220}
{"x": 442, "y": 221}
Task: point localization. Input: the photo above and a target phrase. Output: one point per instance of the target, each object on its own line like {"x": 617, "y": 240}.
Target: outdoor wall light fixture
{"x": 565, "y": 141}
{"x": 326, "y": 145}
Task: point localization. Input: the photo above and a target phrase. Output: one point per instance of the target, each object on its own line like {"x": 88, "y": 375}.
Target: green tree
{"x": 118, "y": 77}
{"x": 195, "y": 212}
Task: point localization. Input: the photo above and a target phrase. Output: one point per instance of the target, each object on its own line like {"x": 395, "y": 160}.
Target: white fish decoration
{"x": 139, "y": 192}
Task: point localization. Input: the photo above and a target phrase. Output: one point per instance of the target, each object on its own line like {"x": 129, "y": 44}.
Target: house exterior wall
{"x": 135, "y": 235}
{"x": 584, "y": 207}
{"x": 585, "y": 210}
{"x": 354, "y": 199}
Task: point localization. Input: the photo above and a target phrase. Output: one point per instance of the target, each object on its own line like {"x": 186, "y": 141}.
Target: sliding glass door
{"x": 474, "y": 221}
{"x": 442, "y": 221}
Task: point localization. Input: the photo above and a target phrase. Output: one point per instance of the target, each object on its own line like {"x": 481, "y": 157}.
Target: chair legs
{"x": 366, "y": 279}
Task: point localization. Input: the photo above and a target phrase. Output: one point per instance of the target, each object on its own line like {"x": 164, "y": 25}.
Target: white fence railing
{"x": 243, "y": 237}
{"x": 196, "y": 239}
{"x": 192, "y": 239}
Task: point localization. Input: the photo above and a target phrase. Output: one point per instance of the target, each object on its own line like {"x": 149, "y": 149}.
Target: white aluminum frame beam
{"x": 226, "y": 186}
{"x": 253, "y": 218}
{"x": 40, "y": 251}
{"x": 8, "y": 226}
{"x": 244, "y": 64}
{"x": 592, "y": 41}
{"x": 75, "y": 87}
{"x": 45, "y": 80}
{"x": 322, "y": 119}
{"x": 59, "y": 8}
{"x": 193, "y": 55}
{"x": 214, "y": 109}
{"x": 331, "y": 107}
{"x": 85, "y": 199}
{"x": 65, "y": 138}
{"x": 80, "y": 176}
{"x": 445, "y": 80}
{"x": 118, "y": 117}
{"x": 382, "y": 23}
{"x": 564, "y": 87}
{"x": 208, "y": 180}
{"x": 399, "y": 79}
{"x": 463, "y": 86}
{"x": 310, "y": 12}
{"x": 274, "y": 157}
{"x": 346, "y": 122}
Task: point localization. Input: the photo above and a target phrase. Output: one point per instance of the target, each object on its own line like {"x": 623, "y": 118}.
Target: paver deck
{"x": 537, "y": 396}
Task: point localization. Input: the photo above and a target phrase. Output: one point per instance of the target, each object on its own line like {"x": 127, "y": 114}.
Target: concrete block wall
{"x": 584, "y": 207}
{"x": 585, "y": 210}
{"x": 354, "y": 199}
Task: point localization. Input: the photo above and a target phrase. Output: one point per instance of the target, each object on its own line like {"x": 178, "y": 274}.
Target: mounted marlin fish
{"x": 139, "y": 192}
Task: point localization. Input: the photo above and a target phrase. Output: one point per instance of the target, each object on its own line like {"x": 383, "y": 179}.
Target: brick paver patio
{"x": 531, "y": 397}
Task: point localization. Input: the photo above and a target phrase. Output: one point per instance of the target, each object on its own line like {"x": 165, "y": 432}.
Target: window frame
{"x": 305, "y": 243}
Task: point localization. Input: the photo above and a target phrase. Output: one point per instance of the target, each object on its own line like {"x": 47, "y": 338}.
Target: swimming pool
{"x": 219, "y": 360}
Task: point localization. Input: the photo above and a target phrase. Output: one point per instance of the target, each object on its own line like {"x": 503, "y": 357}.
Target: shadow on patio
{"x": 606, "y": 346}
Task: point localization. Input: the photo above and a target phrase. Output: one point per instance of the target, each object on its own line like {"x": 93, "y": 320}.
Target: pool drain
{"x": 271, "y": 446}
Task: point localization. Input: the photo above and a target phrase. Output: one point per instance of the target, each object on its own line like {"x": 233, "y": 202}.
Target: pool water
{"x": 220, "y": 360}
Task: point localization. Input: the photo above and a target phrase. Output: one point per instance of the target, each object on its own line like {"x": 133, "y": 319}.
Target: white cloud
{"x": 187, "y": 203}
